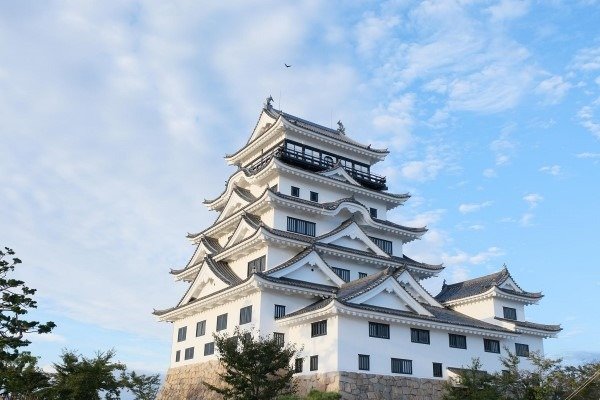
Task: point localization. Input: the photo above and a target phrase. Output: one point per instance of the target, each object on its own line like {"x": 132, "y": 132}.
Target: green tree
{"x": 143, "y": 387}
{"x": 472, "y": 384}
{"x": 255, "y": 368}
{"x": 23, "y": 379}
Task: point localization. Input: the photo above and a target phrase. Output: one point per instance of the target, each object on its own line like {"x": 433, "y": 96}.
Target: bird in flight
{"x": 287, "y": 66}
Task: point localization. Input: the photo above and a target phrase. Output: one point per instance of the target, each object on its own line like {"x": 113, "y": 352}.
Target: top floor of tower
{"x": 308, "y": 145}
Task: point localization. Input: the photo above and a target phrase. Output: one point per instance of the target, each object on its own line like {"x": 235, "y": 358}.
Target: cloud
{"x": 586, "y": 119}
{"x": 508, "y": 9}
{"x": 372, "y": 30}
{"x": 553, "y": 89}
{"x": 460, "y": 257}
{"x": 588, "y": 155}
{"x": 503, "y": 147}
{"x": 397, "y": 118}
{"x": 473, "y": 207}
{"x": 489, "y": 173}
{"x": 551, "y": 169}
{"x": 533, "y": 199}
{"x": 526, "y": 220}
{"x": 422, "y": 170}
{"x": 587, "y": 59}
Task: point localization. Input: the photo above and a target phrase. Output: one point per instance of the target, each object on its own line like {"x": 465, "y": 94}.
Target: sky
{"x": 115, "y": 117}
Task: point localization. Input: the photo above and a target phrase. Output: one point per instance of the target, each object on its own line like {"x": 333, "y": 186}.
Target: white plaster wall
{"x": 353, "y": 265}
{"x": 481, "y": 309}
{"x": 326, "y": 347}
{"x": 291, "y": 302}
{"x": 279, "y": 255}
{"x": 240, "y": 265}
{"x": 499, "y": 310}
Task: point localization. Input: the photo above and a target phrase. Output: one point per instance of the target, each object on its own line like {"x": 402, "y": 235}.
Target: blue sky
{"x": 114, "y": 117}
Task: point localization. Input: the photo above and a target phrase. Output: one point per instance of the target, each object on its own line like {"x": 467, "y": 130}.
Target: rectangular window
{"x": 457, "y": 341}
{"x": 221, "y": 322}
{"x": 181, "y": 333}
{"x": 257, "y": 265}
{"x": 362, "y": 275}
{"x": 522, "y": 350}
{"x": 279, "y": 311}
{"x": 189, "y": 353}
{"x": 178, "y": 356}
{"x": 314, "y": 363}
{"x": 301, "y": 226}
{"x": 298, "y": 365}
{"x": 379, "y": 330}
{"x": 437, "y": 370}
{"x": 373, "y": 212}
{"x": 318, "y": 328}
{"x": 401, "y": 366}
{"x": 200, "y": 328}
{"x": 510, "y": 313}
{"x": 364, "y": 362}
{"x": 295, "y": 191}
{"x": 279, "y": 338}
{"x": 209, "y": 348}
{"x": 314, "y": 196}
{"x": 419, "y": 336}
{"x": 383, "y": 244}
{"x": 342, "y": 273}
{"x": 245, "y": 315}
{"x": 491, "y": 346}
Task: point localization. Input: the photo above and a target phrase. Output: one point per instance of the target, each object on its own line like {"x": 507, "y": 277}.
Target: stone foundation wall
{"x": 185, "y": 383}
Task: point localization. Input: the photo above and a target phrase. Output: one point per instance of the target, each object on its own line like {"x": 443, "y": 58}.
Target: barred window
{"x": 279, "y": 338}
{"x": 209, "y": 348}
{"x": 510, "y": 313}
{"x": 491, "y": 346}
{"x": 522, "y": 350}
{"x": 314, "y": 196}
{"x": 245, "y": 315}
{"x": 457, "y": 341}
{"x": 379, "y": 330}
{"x": 383, "y": 244}
{"x": 362, "y": 275}
{"x": 437, "y": 370}
{"x": 279, "y": 311}
{"x": 301, "y": 226}
{"x": 364, "y": 362}
{"x": 342, "y": 273}
{"x": 401, "y": 366}
{"x": 181, "y": 333}
{"x": 221, "y": 322}
{"x": 298, "y": 365}
{"x": 257, "y": 265}
{"x": 178, "y": 356}
{"x": 295, "y": 191}
{"x": 318, "y": 328}
{"x": 189, "y": 353}
{"x": 419, "y": 336}
{"x": 201, "y": 328}
{"x": 314, "y": 363}
{"x": 373, "y": 212}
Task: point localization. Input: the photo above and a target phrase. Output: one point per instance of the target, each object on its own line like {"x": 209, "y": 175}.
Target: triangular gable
{"x": 354, "y": 233}
{"x": 265, "y": 122}
{"x": 410, "y": 284}
{"x": 310, "y": 268}
{"x": 234, "y": 203}
{"x": 243, "y": 231}
{"x": 340, "y": 174}
{"x": 510, "y": 284}
{"x": 205, "y": 283}
{"x": 390, "y": 294}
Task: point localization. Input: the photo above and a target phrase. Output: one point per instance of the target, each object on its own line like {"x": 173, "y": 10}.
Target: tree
{"x": 143, "y": 387}
{"x": 255, "y": 368}
{"x": 23, "y": 379}
{"x": 472, "y": 384}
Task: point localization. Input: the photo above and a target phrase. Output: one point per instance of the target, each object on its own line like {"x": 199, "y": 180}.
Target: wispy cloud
{"x": 504, "y": 146}
{"x": 533, "y": 199}
{"x": 460, "y": 257}
{"x": 551, "y": 169}
{"x": 553, "y": 89}
{"x": 473, "y": 207}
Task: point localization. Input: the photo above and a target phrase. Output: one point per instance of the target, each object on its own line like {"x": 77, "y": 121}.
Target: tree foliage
{"x": 256, "y": 368}
{"x": 23, "y": 379}
{"x": 143, "y": 387}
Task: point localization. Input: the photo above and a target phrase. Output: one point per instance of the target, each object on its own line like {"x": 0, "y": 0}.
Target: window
{"x": 362, "y": 275}
{"x": 298, "y": 365}
{"x": 221, "y": 322}
{"x": 383, "y": 244}
{"x": 314, "y": 196}
{"x": 364, "y": 362}
{"x": 279, "y": 311}
{"x": 318, "y": 328}
{"x": 293, "y": 147}
{"x": 491, "y": 346}
{"x": 189, "y": 353}
{"x": 457, "y": 341}
{"x": 373, "y": 212}
{"x": 181, "y": 333}
{"x": 200, "y": 328}
{"x": 401, "y": 366}
{"x": 522, "y": 350}
{"x": 295, "y": 191}
{"x": 209, "y": 348}
{"x": 437, "y": 370}
{"x": 419, "y": 336}
{"x": 342, "y": 273}
{"x": 314, "y": 363}
{"x": 257, "y": 265}
{"x": 300, "y": 226}
{"x": 279, "y": 338}
{"x": 510, "y": 313}
{"x": 245, "y": 315}
{"x": 379, "y": 330}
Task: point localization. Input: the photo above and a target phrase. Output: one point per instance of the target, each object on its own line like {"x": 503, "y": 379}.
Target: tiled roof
{"x": 298, "y": 283}
{"x": 291, "y": 261}
{"x": 223, "y": 271}
{"x": 244, "y": 193}
{"x": 357, "y": 287}
{"x": 533, "y": 325}
{"x": 314, "y": 306}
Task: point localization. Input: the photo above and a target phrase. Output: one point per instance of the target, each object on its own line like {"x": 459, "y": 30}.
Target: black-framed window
{"x": 209, "y": 348}
{"x": 342, "y": 273}
{"x": 522, "y": 350}
{"x": 295, "y": 191}
{"x": 301, "y": 226}
{"x": 401, "y": 366}
{"x": 373, "y": 212}
{"x": 314, "y": 196}
{"x": 364, "y": 362}
{"x": 437, "y": 370}
{"x": 318, "y": 328}
{"x": 221, "y": 322}
{"x": 378, "y": 330}
{"x": 188, "y": 354}
{"x": 178, "y": 356}
{"x": 279, "y": 338}
{"x": 314, "y": 363}
{"x": 362, "y": 275}
{"x": 279, "y": 311}
{"x": 457, "y": 341}
{"x": 200, "y": 328}
{"x": 383, "y": 244}
{"x": 419, "y": 336}
{"x": 298, "y": 365}
{"x": 257, "y": 265}
{"x": 181, "y": 333}
{"x": 491, "y": 346}
{"x": 245, "y": 315}
{"x": 510, "y": 313}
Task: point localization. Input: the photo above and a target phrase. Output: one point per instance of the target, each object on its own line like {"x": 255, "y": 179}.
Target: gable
{"x": 388, "y": 300}
{"x": 205, "y": 283}
{"x": 390, "y": 294}
{"x": 355, "y": 238}
{"x": 351, "y": 243}
{"x": 310, "y": 268}
{"x": 340, "y": 174}
{"x": 265, "y": 122}
{"x": 234, "y": 203}
{"x": 243, "y": 231}
{"x": 414, "y": 288}
{"x": 510, "y": 284}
